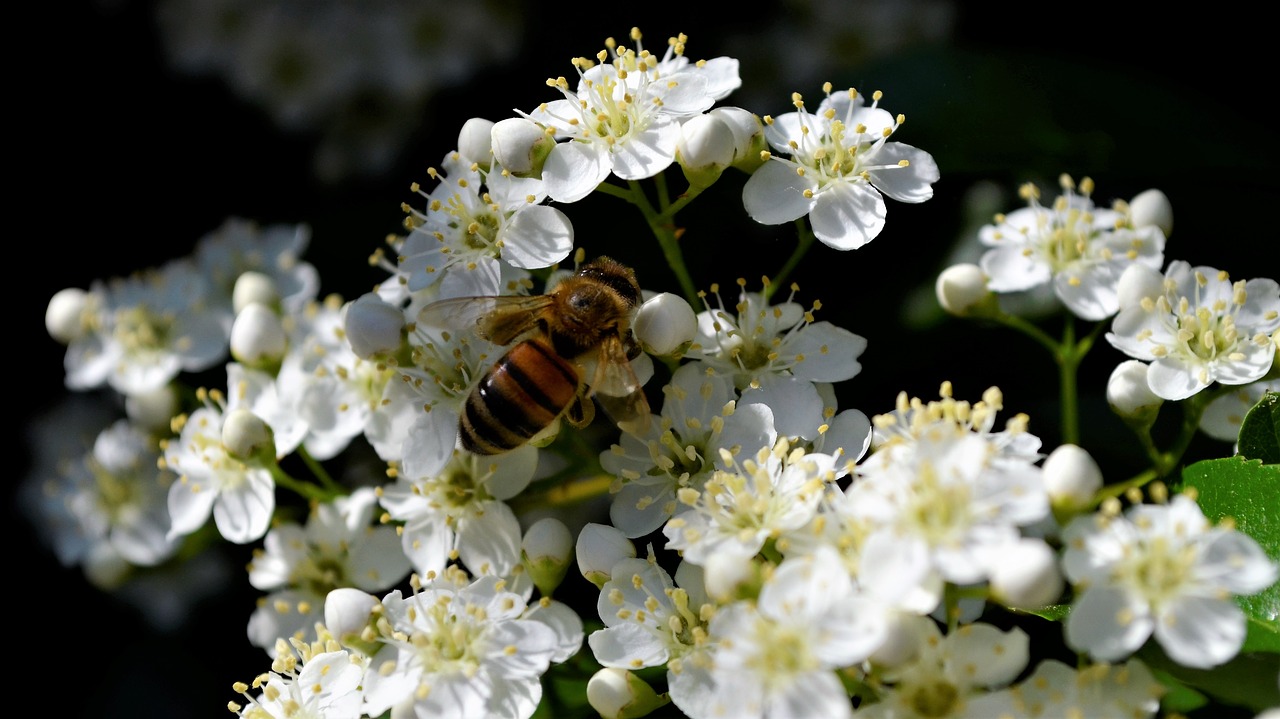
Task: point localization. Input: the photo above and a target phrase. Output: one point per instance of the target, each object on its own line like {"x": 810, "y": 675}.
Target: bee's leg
{"x": 582, "y": 410}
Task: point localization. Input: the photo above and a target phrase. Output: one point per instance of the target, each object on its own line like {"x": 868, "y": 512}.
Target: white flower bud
{"x": 1071, "y": 477}
{"x": 705, "y": 148}
{"x": 1152, "y": 207}
{"x": 1027, "y": 575}
{"x": 962, "y": 291}
{"x": 258, "y": 336}
{"x": 153, "y": 410}
{"x": 728, "y": 575}
{"x": 1138, "y": 282}
{"x": 599, "y": 548}
{"x": 520, "y": 146}
{"x": 63, "y": 316}
{"x": 1130, "y": 395}
{"x": 347, "y": 611}
{"x": 665, "y": 323}
{"x": 245, "y": 435}
{"x": 254, "y": 287}
{"x": 902, "y": 640}
{"x": 474, "y": 141}
{"x": 373, "y": 327}
{"x": 545, "y": 553}
{"x": 619, "y": 694}
{"x": 748, "y": 136}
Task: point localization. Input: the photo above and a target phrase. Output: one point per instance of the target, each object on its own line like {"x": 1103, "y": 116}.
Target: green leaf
{"x": 1247, "y": 681}
{"x": 1179, "y": 697}
{"x": 1248, "y": 492}
{"x": 1260, "y": 431}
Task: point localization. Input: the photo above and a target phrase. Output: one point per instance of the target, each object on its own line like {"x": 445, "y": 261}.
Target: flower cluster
{"x": 767, "y": 552}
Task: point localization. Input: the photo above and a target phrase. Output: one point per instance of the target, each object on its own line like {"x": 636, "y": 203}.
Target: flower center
{"x": 1158, "y": 569}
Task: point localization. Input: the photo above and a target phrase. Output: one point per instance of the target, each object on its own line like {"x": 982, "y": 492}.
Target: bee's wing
{"x": 501, "y": 319}
{"x": 615, "y": 386}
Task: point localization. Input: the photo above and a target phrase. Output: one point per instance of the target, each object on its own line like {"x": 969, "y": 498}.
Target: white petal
{"x": 830, "y": 353}
{"x": 847, "y": 216}
{"x": 912, "y": 183}
{"x": 244, "y": 514}
{"x": 490, "y": 543}
{"x": 1201, "y": 632}
{"x": 537, "y": 236}
{"x": 189, "y": 506}
{"x": 774, "y": 194}
{"x": 574, "y": 169}
{"x": 812, "y": 694}
{"x": 647, "y": 153}
{"x": 1106, "y": 623}
{"x": 796, "y": 405}
{"x": 627, "y": 646}
{"x": 1009, "y": 270}
{"x": 1173, "y": 380}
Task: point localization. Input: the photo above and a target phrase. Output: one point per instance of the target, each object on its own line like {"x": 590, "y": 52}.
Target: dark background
{"x": 125, "y": 160}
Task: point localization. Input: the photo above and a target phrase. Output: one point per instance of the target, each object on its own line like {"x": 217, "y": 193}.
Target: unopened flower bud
{"x": 902, "y": 640}
{"x": 475, "y": 143}
{"x": 245, "y": 435}
{"x": 705, "y": 148}
{"x": 1027, "y": 575}
{"x": 258, "y": 336}
{"x": 962, "y": 291}
{"x": 619, "y": 694}
{"x": 748, "y": 136}
{"x": 730, "y": 577}
{"x": 599, "y": 548}
{"x": 347, "y": 612}
{"x": 1152, "y": 207}
{"x": 545, "y": 553}
{"x": 153, "y": 410}
{"x": 1130, "y": 395}
{"x": 665, "y": 324}
{"x": 520, "y": 146}
{"x": 1071, "y": 477}
{"x": 1138, "y": 282}
{"x": 63, "y": 316}
{"x": 373, "y": 327}
{"x": 254, "y": 287}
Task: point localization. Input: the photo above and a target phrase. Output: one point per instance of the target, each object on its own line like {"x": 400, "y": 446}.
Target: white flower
{"x": 143, "y": 330}
{"x": 1081, "y": 249}
{"x": 950, "y": 675}
{"x": 776, "y": 354}
{"x": 756, "y": 499}
{"x": 299, "y": 565}
{"x": 481, "y": 221}
{"x": 682, "y": 448}
{"x": 306, "y": 682}
{"x": 898, "y": 430}
{"x": 241, "y": 497}
{"x": 841, "y": 165}
{"x": 1203, "y": 329}
{"x": 112, "y": 496}
{"x": 777, "y": 658}
{"x": 275, "y": 251}
{"x": 1162, "y": 570}
{"x": 623, "y": 117}
{"x": 1100, "y": 691}
{"x": 460, "y": 513}
{"x": 331, "y": 392}
{"x": 950, "y": 494}
{"x": 458, "y": 652}
{"x": 649, "y": 620}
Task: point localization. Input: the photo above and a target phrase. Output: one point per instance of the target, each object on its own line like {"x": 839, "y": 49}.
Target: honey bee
{"x": 565, "y": 347}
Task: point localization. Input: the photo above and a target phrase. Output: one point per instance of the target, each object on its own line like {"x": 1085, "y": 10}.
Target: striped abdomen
{"x": 522, "y": 394}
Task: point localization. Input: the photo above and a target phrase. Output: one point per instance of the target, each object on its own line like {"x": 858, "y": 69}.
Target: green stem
{"x": 660, "y": 223}
{"x": 805, "y": 241}
{"x": 306, "y": 490}
{"x": 1068, "y": 364}
{"x": 320, "y": 472}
